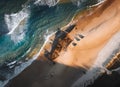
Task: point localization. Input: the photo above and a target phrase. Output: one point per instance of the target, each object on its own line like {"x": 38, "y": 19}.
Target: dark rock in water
{"x": 105, "y": 80}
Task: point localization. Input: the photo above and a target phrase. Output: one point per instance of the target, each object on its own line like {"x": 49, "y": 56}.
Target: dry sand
{"x": 98, "y": 25}
{"x": 97, "y": 32}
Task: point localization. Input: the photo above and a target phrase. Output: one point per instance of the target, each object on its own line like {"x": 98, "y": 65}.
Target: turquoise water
{"x": 42, "y": 21}
{"x": 42, "y": 18}
{"x": 15, "y": 53}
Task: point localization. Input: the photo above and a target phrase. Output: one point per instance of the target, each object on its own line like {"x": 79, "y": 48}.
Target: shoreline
{"x": 87, "y": 38}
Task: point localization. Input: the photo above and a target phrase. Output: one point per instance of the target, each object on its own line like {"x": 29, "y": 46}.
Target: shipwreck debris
{"x": 81, "y": 36}
{"x": 60, "y": 41}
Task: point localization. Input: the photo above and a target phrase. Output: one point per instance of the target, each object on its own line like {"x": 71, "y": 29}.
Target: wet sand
{"x": 97, "y": 25}
{"x": 97, "y": 29}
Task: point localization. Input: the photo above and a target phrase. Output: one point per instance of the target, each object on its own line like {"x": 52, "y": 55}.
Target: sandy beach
{"x": 77, "y": 52}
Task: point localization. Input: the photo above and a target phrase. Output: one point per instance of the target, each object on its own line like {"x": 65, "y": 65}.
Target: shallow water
{"x": 28, "y": 37}
{"x": 23, "y": 30}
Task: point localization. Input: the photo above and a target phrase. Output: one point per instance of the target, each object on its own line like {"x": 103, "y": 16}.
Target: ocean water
{"x": 24, "y": 27}
{"x": 23, "y": 33}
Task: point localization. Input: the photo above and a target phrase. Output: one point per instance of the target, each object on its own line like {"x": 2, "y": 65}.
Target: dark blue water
{"x": 42, "y": 21}
{"x": 17, "y": 49}
{"x": 42, "y": 18}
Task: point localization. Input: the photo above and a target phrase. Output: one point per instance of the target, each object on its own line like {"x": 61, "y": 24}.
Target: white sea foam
{"x": 16, "y": 24}
{"x": 46, "y": 40}
{"x": 102, "y": 60}
{"x": 47, "y": 2}
{"x": 19, "y": 69}
{"x": 14, "y": 19}
{"x": 77, "y": 2}
{"x": 99, "y": 2}
{"x": 9, "y": 64}
{"x": 54, "y": 2}
{"x": 117, "y": 70}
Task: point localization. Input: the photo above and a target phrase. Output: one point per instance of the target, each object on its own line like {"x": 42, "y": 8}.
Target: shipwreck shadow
{"x": 43, "y": 73}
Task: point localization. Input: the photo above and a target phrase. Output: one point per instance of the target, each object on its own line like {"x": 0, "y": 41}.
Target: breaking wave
{"x": 13, "y": 20}
{"x": 47, "y": 2}
{"x": 102, "y": 60}
{"x": 16, "y": 24}
{"x": 28, "y": 30}
{"x": 27, "y": 33}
